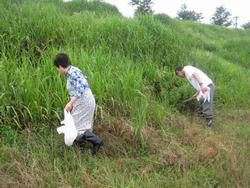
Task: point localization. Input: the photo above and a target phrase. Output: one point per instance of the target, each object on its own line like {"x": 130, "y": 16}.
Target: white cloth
{"x": 204, "y": 96}
{"x": 190, "y": 70}
{"x": 68, "y": 129}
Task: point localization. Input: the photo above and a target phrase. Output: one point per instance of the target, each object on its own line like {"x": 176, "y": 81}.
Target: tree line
{"x": 221, "y": 17}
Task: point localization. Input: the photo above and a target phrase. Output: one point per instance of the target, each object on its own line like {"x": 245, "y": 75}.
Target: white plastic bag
{"x": 68, "y": 129}
{"x": 204, "y": 96}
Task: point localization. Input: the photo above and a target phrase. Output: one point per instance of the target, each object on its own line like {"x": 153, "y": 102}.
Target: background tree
{"x": 222, "y": 17}
{"x": 185, "y": 14}
{"x": 142, "y": 6}
{"x": 246, "y": 25}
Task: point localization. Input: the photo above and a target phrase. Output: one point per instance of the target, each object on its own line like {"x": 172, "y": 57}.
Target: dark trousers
{"x": 207, "y": 107}
{"x": 90, "y": 137}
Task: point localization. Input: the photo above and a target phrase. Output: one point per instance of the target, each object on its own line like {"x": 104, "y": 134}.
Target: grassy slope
{"x": 139, "y": 55}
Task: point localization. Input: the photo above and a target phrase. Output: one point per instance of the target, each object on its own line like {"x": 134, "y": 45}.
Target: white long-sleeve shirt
{"x": 189, "y": 73}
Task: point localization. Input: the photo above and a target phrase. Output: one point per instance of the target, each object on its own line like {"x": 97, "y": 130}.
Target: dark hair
{"x": 178, "y": 69}
{"x": 62, "y": 60}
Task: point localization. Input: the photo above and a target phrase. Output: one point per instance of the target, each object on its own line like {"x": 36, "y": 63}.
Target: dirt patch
{"x": 207, "y": 153}
{"x": 172, "y": 156}
{"x": 118, "y": 137}
{"x": 191, "y": 133}
{"x": 211, "y": 142}
{"x": 203, "y": 145}
{"x": 120, "y": 140}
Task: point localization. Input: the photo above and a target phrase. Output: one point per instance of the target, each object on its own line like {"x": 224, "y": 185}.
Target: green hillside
{"x": 130, "y": 67}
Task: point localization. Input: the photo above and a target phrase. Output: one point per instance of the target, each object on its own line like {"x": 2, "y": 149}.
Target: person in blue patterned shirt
{"x": 81, "y": 103}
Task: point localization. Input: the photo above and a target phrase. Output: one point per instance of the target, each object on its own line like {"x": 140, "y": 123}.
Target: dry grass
{"x": 36, "y": 166}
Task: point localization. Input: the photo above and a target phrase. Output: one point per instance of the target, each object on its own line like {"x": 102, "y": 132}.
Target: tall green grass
{"x": 99, "y": 8}
{"x": 129, "y": 64}
{"x": 118, "y": 63}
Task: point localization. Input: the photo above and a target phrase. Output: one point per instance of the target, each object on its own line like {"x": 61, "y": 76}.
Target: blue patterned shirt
{"x": 78, "y": 80}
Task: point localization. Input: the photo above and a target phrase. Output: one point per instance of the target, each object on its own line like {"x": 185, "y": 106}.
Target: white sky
{"x": 240, "y": 8}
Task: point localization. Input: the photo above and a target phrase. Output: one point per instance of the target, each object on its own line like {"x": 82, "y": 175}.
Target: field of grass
{"x": 130, "y": 68}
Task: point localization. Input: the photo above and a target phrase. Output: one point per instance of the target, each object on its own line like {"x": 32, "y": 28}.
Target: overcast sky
{"x": 240, "y": 8}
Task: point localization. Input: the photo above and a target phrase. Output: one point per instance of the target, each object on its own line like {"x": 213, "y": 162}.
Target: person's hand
{"x": 204, "y": 89}
{"x": 194, "y": 97}
{"x": 69, "y": 106}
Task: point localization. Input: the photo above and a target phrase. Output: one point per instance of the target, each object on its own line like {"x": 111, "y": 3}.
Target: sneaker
{"x": 209, "y": 123}
{"x": 96, "y": 148}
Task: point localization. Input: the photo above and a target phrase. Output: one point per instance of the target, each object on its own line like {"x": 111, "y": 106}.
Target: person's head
{"x": 179, "y": 71}
{"x": 62, "y": 62}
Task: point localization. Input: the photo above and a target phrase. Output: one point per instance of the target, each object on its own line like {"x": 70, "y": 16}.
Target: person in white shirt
{"x": 204, "y": 87}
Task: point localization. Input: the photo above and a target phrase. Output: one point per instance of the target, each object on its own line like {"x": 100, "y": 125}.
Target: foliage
{"x": 142, "y": 6}
{"x": 222, "y": 17}
{"x": 185, "y": 14}
{"x": 246, "y": 25}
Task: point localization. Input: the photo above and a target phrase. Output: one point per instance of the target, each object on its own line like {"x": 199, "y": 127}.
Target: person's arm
{"x": 80, "y": 84}
{"x": 200, "y": 81}
{"x": 195, "y": 95}
{"x": 70, "y": 104}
